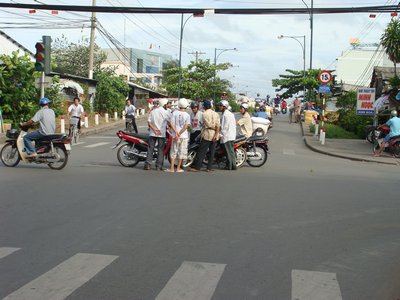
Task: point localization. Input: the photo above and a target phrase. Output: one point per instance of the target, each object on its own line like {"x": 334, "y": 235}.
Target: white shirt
{"x": 228, "y": 127}
{"x": 179, "y": 119}
{"x": 75, "y": 110}
{"x": 159, "y": 117}
{"x": 130, "y": 110}
{"x": 196, "y": 120}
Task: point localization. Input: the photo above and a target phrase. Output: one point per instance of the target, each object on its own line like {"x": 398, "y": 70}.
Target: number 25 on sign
{"x": 324, "y": 77}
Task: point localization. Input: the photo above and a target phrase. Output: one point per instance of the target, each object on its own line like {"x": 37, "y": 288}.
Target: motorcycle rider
{"x": 228, "y": 133}
{"x": 75, "y": 110}
{"x": 47, "y": 119}
{"x": 196, "y": 117}
{"x": 394, "y": 124}
{"x": 209, "y": 137}
{"x": 130, "y": 110}
{"x": 158, "y": 120}
{"x": 246, "y": 127}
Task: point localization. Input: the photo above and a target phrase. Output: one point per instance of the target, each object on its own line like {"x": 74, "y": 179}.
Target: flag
{"x": 54, "y": 12}
{"x": 32, "y": 11}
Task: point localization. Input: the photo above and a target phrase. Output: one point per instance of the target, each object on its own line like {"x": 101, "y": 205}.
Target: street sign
{"x": 324, "y": 89}
{"x": 325, "y": 77}
{"x": 365, "y": 102}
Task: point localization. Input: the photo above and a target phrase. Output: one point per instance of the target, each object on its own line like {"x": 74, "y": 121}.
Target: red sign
{"x": 325, "y": 77}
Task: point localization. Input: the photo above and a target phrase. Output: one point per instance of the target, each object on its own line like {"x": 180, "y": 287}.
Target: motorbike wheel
{"x": 376, "y": 146}
{"x": 9, "y": 155}
{"x": 370, "y": 135}
{"x": 123, "y": 157}
{"x": 396, "y": 150}
{"x": 62, "y": 162}
{"x": 241, "y": 156}
{"x": 191, "y": 156}
{"x": 259, "y": 162}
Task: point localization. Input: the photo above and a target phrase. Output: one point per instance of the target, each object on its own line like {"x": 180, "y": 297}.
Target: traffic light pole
{"x": 42, "y": 86}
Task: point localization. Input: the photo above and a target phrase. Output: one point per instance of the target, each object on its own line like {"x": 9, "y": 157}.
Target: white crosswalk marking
{"x": 97, "y": 145}
{"x": 62, "y": 280}
{"x": 309, "y": 285}
{"x": 5, "y": 251}
{"x": 193, "y": 280}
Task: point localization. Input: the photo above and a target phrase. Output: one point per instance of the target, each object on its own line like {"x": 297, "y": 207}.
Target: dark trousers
{"x": 201, "y": 154}
{"x": 133, "y": 123}
{"x": 230, "y": 155}
{"x": 160, "y": 149}
{"x": 194, "y": 135}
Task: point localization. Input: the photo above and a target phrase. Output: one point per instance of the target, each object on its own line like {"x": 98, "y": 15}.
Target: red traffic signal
{"x": 42, "y": 55}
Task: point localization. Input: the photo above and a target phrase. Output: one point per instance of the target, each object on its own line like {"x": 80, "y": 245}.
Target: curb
{"x": 342, "y": 156}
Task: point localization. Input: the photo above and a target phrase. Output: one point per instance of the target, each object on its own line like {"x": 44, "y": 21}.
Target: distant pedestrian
{"x": 180, "y": 121}
{"x": 228, "y": 134}
{"x": 130, "y": 113}
{"x": 196, "y": 118}
{"x": 297, "y": 109}
{"x": 209, "y": 137}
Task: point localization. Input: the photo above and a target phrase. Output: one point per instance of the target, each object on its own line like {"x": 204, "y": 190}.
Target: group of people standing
{"x": 209, "y": 124}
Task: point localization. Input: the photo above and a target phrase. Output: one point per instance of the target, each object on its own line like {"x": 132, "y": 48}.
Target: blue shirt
{"x": 394, "y": 124}
{"x": 261, "y": 114}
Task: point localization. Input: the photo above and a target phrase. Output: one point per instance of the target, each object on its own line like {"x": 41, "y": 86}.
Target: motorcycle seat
{"x": 53, "y": 137}
{"x": 143, "y": 136}
{"x": 256, "y": 138}
{"x": 240, "y": 138}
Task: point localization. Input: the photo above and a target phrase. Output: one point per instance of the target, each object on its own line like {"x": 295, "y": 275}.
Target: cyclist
{"x": 130, "y": 114}
{"x": 76, "y": 110}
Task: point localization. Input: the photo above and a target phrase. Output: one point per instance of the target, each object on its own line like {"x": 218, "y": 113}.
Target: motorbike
{"x": 284, "y": 110}
{"x": 219, "y": 157}
{"x": 257, "y": 149}
{"x": 52, "y": 150}
{"x": 393, "y": 146}
{"x": 277, "y": 109}
{"x": 135, "y": 146}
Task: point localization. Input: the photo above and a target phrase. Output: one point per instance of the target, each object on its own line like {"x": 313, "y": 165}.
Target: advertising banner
{"x": 365, "y": 102}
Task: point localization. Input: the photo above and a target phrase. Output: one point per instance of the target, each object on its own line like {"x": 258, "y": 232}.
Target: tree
{"x": 390, "y": 41}
{"x": 197, "y": 80}
{"x": 73, "y": 58}
{"x": 111, "y": 92}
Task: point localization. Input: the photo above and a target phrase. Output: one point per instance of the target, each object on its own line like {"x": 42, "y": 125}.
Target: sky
{"x": 260, "y": 55}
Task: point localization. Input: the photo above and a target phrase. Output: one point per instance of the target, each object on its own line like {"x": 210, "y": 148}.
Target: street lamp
{"x": 311, "y": 12}
{"x": 303, "y": 46}
{"x": 215, "y": 60}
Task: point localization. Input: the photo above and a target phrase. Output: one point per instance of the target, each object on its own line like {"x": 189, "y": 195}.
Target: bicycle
{"x": 73, "y": 130}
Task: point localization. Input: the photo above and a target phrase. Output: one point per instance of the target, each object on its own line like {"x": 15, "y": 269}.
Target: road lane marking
{"x": 309, "y": 285}
{"x": 80, "y": 143}
{"x": 61, "y": 281}
{"x": 193, "y": 280}
{"x": 97, "y": 145}
{"x": 288, "y": 152}
{"x": 5, "y": 251}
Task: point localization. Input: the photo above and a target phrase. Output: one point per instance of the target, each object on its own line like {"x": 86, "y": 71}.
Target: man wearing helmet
{"x": 47, "y": 120}
{"x": 209, "y": 137}
{"x": 246, "y": 127}
{"x": 394, "y": 124}
{"x": 180, "y": 121}
{"x": 228, "y": 134}
{"x": 158, "y": 120}
{"x": 196, "y": 117}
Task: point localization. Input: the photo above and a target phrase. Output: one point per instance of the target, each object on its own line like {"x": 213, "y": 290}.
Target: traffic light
{"x": 43, "y": 54}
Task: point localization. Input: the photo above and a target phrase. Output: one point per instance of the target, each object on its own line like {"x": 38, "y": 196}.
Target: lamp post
{"x": 303, "y": 46}
{"x": 311, "y": 12}
{"x": 215, "y": 60}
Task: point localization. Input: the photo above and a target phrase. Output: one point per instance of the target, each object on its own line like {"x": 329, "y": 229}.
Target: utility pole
{"x": 92, "y": 36}
{"x": 197, "y": 54}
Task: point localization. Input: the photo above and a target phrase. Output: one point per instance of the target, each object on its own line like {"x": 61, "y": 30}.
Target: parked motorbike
{"x": 219, "y": 157}
{"x": 257, "y": 149}
{"x": 135, "y": 146}
{"x": 52, "y": 150}
{"x": 392, "y": 147}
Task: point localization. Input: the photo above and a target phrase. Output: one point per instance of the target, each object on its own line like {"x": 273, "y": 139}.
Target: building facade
{"x": 8, "y": 45}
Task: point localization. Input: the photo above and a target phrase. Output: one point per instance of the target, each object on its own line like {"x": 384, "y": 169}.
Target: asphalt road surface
{"x": 303, "y": 226}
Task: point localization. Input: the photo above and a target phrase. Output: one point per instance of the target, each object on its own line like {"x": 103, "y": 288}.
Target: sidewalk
{"x": 120, "y": 124}
{"x": 358, "y": 150}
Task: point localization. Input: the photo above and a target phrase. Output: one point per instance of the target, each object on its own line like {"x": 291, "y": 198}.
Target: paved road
{"x": 304, "y": 226}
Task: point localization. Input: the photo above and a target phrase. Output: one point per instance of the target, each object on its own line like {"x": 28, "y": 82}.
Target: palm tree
{"x": 390, "y": 41}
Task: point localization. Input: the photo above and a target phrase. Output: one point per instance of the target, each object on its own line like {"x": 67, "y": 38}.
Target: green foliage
{"x": 394, "y": 82}
{"x": 336, "y": 132}
{"x": 73, "y": 58}
{"x": 111, "y": 92}
{"x": 347, "y": 101}
{"x": 390, "y": 41}
{"x": 18, "y": 95}
{"x": 197, "y": 80}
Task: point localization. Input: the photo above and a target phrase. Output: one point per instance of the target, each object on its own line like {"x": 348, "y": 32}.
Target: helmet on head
{"x": 257, "y": 108}
{"x": 224, "y": 103}
{"x": 183, "y": 103}
{"x": 262, "y": 108}
{"x": 393, "y": 113}
{"x": 194, "y": 104}
{"x": 44, "y": 101}
{"x": 163, "y": 102}
{"x": 245, "y": 105}
{"x": 207, "y": 104}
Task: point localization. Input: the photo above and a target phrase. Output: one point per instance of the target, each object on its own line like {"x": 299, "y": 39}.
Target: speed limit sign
{"x": 325, "y": 77}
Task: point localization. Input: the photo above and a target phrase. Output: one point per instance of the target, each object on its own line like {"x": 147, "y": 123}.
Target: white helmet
{"x": 245, "y": 105}
{"x": 183, "y": 103}
{"x": 224, "y": 103}
{"x": 163, "y": 102}
{"x": 393, "y": 113}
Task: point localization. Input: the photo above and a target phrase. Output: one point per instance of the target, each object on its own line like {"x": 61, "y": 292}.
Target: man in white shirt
{"x": 180, "y": 121}
{"x": 158, "y": 120}
{"x": 228, "y": 134}
{"x": 130, "y": 110}
{"x": 196, "y": 118}
{"x": 76, "y": 110}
